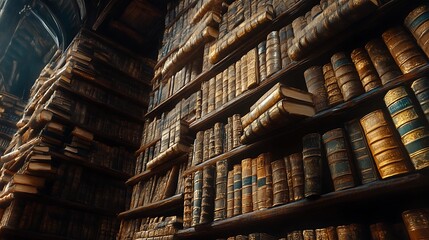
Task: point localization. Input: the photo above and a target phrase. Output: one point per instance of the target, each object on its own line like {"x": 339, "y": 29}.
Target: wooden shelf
{"x": 15, "y": 233}
{"x": 101, "y": 104}
{"x": 331, "y": 112}
{"x": 147, "y": 145}
{"x": 154, "y": 209}
{"x": 101, "y": 169}
{"x": 307, "y": 209}
{"x": 299, "y": 8}
{"x": 151, "y": 172}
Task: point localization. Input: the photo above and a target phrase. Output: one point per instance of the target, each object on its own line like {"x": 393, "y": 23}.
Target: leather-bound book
{"x": 328, "y": 233}
{"x": 196, "y": 201}
{"x": 410, "y": 124}
{"x": 204, "y": 98}
{"x": 339, "y": 159}
{"x": 230, "y": 133}
{"x": 238, "y": 78}
{"x": 187, "y": 201}
{"x": 206, "y": 144}
{"x": 219, "y": 91}
{"x": 312, "y": 164}
{"x": 362, "y": 155}
{"x": 225, "y": 86}
{"x": 218, "y": 138}
{"x": 297, "y": 173}
{"x": 349, "y": 232}
{"x": 417, "y": 23}
{"x": 211, "y": 143}
{"x": 381, "y": 231}
{"x": 221, "y": 190}
{"x": 211, "y": 95}
{"x": 347, "y": 76}
{"x": 280, "y": 187}
{"x": 335, "y": 96}
{"x": 230, "y": 195}
{"x": 208, "y": 192}
{"x": 288, "y": 169}
{"x": 407, "y": 55}
{"x": 262, "y": 61}
{"x": 198, "y": 148}
{"x": 246, "y": 182}
{"x": 263, "y": 160}
{"x": 315, "y": 82}
{"x": 308, "y": 234}
{"x": 237, "y": 130}
{"x": 253, "y": 69}
{"x": 295, "y": 235}
{"x": 283, "y": 47}
{"x": 384, "y": 146}
{"x": 417, "y": 223}
{"x": 237, "y": 189}
{"x": 198, "y": 105}
{"x": 366, "y": 70}
{"x": 421, "y": 90}
{"x": 231, "y": 82}
{"x": 269, "y": 183}
{"x": 244, "y": 81}
{"x": 273, "y": 56}
{"x": 254, "y": 185}
{"x": 382, "y": 60}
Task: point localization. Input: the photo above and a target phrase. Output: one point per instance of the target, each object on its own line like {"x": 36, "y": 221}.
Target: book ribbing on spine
{"x": 280, "y": 187}
{"x": 335, "y": 96}
{"x": 246, "y": 180}
{"x": 315, "y": 82}
{"x": 297, "y": 173}
{"x": 263, "y": 160}
{"x": 347, "y": 76}
{"x": 221, "y": 190}
{"x": 312, "y": 164}
{"x": 230, "y": 195}
{"x": 196, "y": 201}
{"x": 254, "y": 185}
{"x": 273, "y": 55}
{"x": 417, "y": 223}
{"x": 207, "y": 196}
{"x": 187, "y": 201}
{"x": 421, "y": 90}
{"x": 366, "y": 70}
{"x": 417, "y": 22}
{"x": 288, "y": 168}
{"x": 237, "y": 189}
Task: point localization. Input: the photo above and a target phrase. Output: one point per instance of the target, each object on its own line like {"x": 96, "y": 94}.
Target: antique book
{"x": 335, "y": 96}
{"x": 383, "y": 62}
{"x": 237, "y": 190}
{"x": 238, "y": 78}
{"x": 410, "y": 124}
{"x": 231, "y": 82}
{"x": 204, "y": 97}
{"x": 308, "y": 234}
{"x": 312, "y": 164}
{"x": 187, "y": 201}
{"x": 254, "y": 185}
{"x": 218, "y": 138}
{"x": 417, "y": 24}
{"x": 207, "y": 196}
{"x": 252, "y": 69}
{"x": 328, "y": 233}
{"x": 198, "y": 148}
{"x": 272, "y": 96}
{"x": 385, "y": 149}
{"x": 417, "y": 223}
{"x": 221, "y": 190}
{"x": 211, "y": 143}
{"x": 273, "y": 55}
{"x": 339, "y": 160}
{"x": 237, "y": 130}
{"x": 225, "y": 86}
{"x": 288, "y": 169}
{"x": 297, "y": 173}
{"x": 219, "y": 90}
{"x": 262, "y": 53}
{"x": 362, "y": 156}
{"x": 230, "y": 134}
{"x": 366, "y": 70}
{"x": 421, "y": 90}
{"x": 230, "y": 195}
{"x": 197, "y": 199}
{"x": 263, "y": 160}
{"x": 352, "y": 232}
{"x": 315, "y": 82}
{"x": 295, "y": 235}
{"x": 246, "y": 182}
{"x": 206, "y": 144}
{"x": 381, "y": 231}
{"x": 280, "y": 187}
{"x": 283, "y": 37}
{"x": 407, "y": 55}
{"x": 211, "y": 95}
{"x": 347, "y": 76}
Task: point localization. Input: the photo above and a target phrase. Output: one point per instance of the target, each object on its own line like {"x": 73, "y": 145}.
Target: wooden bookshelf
{"x": 15, "y": 233}
{"x": 154, "y": 209}
{"x": 290, "y": 212}
{"x": 338, "y": 110}
{"x": 147, "y": 145}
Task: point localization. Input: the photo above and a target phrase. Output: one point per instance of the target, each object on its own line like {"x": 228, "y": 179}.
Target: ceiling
{"x": 31, "y": 31}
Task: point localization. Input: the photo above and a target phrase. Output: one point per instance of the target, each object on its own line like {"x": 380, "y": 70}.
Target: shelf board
{"x": 101, "y": 169}
{"x": 154, "y": 209}
{"x": 290, "y": 212}
{"x": 299, "y": 8}
{"x": 151, "y": 172}
{"x": 333, "y": 111}
{"x": 30, "y": 235}
{"x": 147, "y": 145}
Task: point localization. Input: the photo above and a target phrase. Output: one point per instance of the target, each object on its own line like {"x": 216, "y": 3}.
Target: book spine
{"x": 385, "y": 149}
{"x": 207, "y": 198}
{"x": 407, "y": 55}
{"x": 252, "y": 69}
{"x": 225, "y": 86}
{"x": 219, "y": 91}
{"x": 211, "y": 143}
{"x": 237, "y": 189}
{"x": 231, "y": 82}
{"x": 244, "y": 78}
{"x": 288, "y": 169}
{"x": 347, "y": 76}
{"x": 315, "y": 82}
{"x": 197, "y": 199}
{"x": 211, "y": 95}
{"x": 297, "y": 173}
{"x": 254, "y": 185}
{"x": 362, "y": 155}
{"x": 383, "y": 62}
{"x": 221, "y": 190}
{"x": 269, "y": 184}
{"x": 417, "y": 23}
{"x": 206, "y": 144}
{"x": 262, "y": 160}
{"x": 417, "y": 223}
{"x": 237, "y": 130}
{"x": 246, "y": 180}
{"x": 352, "y": 232}
{"x": 273, "y": 58}
{"x": 308, "y": 234}
{"x": 187, "y": 201}
{"x": 204, "y": 97}
{"x": 230, "y": 195}
{"x": 238, "y": 78}
{"x": 335, "y": 96}
{"x": 198, "y": 105}
{"x": 421, "y": 90}
{"x": 338, "y": 159}
{"x": 365, "y": 69}
{"x": 280, "y": 188}
{"x": 283, "y": 47}
{"x": 312, "y": 164}
{"x": 262, "y": 53}
{"x": 198, "y": 148}
{"x": 230, "y": 134}
{"x": 381, "y": 231}
{"x": 410, "y": 124}
{"x": 218, "y": 141}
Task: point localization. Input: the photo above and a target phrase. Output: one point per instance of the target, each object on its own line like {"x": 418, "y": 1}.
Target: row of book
{"x": 161, "y": 228}
{"x": 54, "y": 220}
{"x": 11, "y": 109}
{"x": 217, "y": 140}
{"x": 158, "y": 187}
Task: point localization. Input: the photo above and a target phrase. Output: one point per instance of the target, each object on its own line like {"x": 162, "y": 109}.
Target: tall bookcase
{"x": 65, "y": 169}
{"x": 11, "y": 110}
{"x": 192, "y": 62}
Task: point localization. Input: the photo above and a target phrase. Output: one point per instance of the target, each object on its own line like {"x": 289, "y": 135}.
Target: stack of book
{"x": 151, "y": 228}
{"x": 11, "y": 110}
